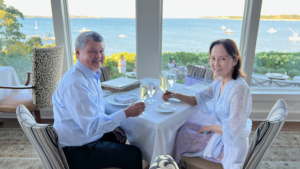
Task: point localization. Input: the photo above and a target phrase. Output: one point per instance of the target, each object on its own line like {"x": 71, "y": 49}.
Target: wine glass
{"x": 163, "y": 84}
{"x": 172, "y": 79}
{"x": 151, "y": 91}
{"x": 143, "y": 93}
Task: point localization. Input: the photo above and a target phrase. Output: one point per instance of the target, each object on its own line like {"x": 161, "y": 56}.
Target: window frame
{"x": 149, "y": 50}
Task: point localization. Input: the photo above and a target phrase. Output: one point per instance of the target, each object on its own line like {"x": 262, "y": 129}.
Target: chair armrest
{"x": 28, "y": 78}
{"x": 17, "y": 87}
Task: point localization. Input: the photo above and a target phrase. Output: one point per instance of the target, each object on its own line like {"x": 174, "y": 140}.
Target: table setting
{"x": 278, "y": 76}
{"x": 154, "y": 131}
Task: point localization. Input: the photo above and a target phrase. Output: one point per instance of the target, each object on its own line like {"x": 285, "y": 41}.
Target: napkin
{"x": 196, "y": 87}
{"x": 125, "y": 98}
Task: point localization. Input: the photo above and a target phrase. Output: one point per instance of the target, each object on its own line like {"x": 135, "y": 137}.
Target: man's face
{"x": 92, "y": 55}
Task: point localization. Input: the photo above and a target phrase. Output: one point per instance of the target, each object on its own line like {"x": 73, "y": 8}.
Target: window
{"x": 24, "y": 27}
{"x": 277, "y": 55}
{"x": 189, "y": 31}
{"x": 116, "y": 23}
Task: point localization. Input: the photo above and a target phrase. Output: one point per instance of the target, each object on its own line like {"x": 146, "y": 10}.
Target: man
{"x": 172, "y": 64}
{"x": 89, "y": 137}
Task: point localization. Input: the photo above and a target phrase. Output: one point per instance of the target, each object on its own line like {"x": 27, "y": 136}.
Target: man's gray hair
{"x": 83, "y": 38}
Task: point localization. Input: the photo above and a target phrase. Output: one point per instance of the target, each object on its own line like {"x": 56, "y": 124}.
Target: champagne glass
{"x": 172, "y": 79}
{"x": 151, "y": 91}
{"x": 163, "y": 84}
{"x": 143, "y": 93}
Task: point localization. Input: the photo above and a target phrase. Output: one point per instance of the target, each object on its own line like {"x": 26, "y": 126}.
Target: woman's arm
{"x": 191, "y": 100}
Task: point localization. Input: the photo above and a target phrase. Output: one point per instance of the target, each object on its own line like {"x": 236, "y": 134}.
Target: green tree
{"x": 9, "y": 24}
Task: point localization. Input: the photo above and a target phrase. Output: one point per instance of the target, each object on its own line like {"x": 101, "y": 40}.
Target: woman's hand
{"x": 211, "y": 128}
{"x": 168, "y": 95}
{"x": 205, "y": 128}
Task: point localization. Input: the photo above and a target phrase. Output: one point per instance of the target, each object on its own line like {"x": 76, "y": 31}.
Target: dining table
{"x": 154, "y": 132}
{"x": 8, "y": 77}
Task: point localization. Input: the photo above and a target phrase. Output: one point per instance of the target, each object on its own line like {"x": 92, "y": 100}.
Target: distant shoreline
{"x": 262, "y": 18}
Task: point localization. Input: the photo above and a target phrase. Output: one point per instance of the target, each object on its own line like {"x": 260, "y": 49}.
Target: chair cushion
{"x": 265, "y": 134}
{"x": 10, "y": 102}
{"x": 199, "y": 163}
{"x": 44, "y": 139}
{"x": 164, "y": 161}
{"x": 46, "y": 73}
{"x": 105, "y": 75}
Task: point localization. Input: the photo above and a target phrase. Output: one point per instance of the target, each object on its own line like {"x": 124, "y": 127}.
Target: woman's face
{"x": 221, "y": 62}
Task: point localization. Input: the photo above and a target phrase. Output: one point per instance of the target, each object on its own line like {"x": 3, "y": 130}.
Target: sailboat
{"x": 272, "y": 30}
{"x": 123, "y": 36}
{"x": 223, "y": 27}
{"x": 36, "y": 27}
{"x": 228, "y": 31}
{"x": 295, "y": 36}
{"x": 84, "y": 30}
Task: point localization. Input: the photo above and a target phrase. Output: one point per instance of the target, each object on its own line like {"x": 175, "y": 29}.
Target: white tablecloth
{"x": 155, "y": 132}
{"x": 8, "y": 77}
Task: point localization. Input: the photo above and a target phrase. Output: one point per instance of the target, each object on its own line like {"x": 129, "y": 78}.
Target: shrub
{"x": 281, "y": 70}
{"x": 294, "y": 72}
{"x": 262, "y": 70}
{"x": 271, "y": 70}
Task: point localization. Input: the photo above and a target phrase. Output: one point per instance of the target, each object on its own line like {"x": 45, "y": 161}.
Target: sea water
{"x": 188, "y": 35}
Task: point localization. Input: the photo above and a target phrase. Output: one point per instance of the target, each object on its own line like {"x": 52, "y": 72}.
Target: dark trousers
{"x": 103, "y": 153}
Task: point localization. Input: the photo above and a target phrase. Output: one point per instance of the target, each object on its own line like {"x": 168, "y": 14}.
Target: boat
{"x": 49, "y": 38}
{"x": 295, "y": 36}
{"x": 229, "y": 31}
{"x": 223, "y": 27}
{"x": 123, "y": 36}
{"x": 36, "y": 27}
{"x": 272, "y": 30}
{"x": 84, "y": 30}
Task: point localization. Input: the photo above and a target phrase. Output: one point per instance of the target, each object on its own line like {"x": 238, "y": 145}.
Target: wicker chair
{"x": 46, "y": 73}
{"x": 105, "y": 75}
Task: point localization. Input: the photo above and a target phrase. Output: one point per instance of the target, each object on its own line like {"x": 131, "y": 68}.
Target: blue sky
{"x": 171, "y": 8}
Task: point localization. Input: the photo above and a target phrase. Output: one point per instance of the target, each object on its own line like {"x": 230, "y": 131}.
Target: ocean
{"x": 188, "y": 35}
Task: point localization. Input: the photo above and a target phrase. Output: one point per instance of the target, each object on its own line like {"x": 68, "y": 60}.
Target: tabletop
{"x": 155, "y": 132}
{"x": 8, "y": 77}
{"x": 278, "y": 76}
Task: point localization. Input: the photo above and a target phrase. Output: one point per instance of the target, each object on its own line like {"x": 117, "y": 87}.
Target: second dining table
{"x": 155, "y": 132}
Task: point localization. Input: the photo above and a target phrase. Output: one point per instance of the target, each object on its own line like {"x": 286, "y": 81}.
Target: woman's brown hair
{"x": 232, "y": 50}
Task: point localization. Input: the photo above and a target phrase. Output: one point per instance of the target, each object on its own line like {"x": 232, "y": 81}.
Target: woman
{"x": 122, "y": 65}
{"x": 228, "y": 100}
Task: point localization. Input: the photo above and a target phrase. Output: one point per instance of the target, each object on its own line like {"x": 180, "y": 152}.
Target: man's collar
{"x": 86, "y": 71}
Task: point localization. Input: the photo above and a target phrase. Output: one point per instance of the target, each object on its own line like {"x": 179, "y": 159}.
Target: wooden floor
{"x": 13, "y": 123}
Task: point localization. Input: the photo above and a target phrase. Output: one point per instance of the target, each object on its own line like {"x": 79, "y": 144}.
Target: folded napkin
{"x": 126, "y": 98}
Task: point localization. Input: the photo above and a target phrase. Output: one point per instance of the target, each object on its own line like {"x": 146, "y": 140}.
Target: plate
{"x": 182, "y": 91}
{"x": 165, "y": 110}
{"x": 276, "y": 74}
{"x": 111, "y": 99}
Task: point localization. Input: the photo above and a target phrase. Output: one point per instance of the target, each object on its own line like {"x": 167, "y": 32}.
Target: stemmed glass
{"x": 172, "y": 79}
{"x": 163, "y": 84}
{"x": 143, "y": 93}
{"x": 151, "y": 91}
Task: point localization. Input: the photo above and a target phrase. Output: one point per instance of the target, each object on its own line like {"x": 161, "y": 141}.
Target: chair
{"x": 282, "y": 83}
{"x": 164, "y": 161}
{"x": 46, "y": 73}
{"x": 209, "y": 75}
{"x": 261, "y": 141}
{"x": 296, "y": 79}
{"x": 44, "y": 139}
{"x": 260, "y": 81}
{"x": 105, "y": 75}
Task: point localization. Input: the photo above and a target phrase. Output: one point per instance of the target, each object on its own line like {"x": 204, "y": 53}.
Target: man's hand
{"x": 120, "y": 134}
{"x": 135, "y": 109}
